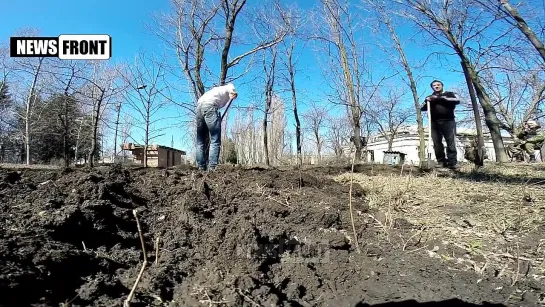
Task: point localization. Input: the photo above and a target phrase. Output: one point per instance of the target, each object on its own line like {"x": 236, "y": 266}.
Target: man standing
{"x": 441, "y": 107}
{"x": 208, "y": 121}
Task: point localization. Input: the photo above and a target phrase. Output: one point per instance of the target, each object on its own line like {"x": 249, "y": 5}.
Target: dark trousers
{"x": 444, "y": 129}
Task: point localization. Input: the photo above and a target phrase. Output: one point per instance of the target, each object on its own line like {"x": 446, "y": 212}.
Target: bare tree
{"x": 517, "y": 94}
{"x": 199, "y": 26}
{"x": 270, "y": 70}
{"x": 341, "y": 44}
{"x": 203, "y": 30}
{"x": 315, "y": 117}
{"x": 290, "y": 64}
{"x": 28, "y": 77}
{"x": 336, "y": 134}
{"x": 384, "y": 18}
{"x": 457, "y": 24}
{"x": 68, "y": 79}
{"x": 97, "y": 93}
{"x": 6, "y": 66}
{"x": 388, "y": 115}
{"x": 277, "y": 128}
{"x": 35, "y": 69}
{"x": 126, "y": 130}
{"x": 514, "y": 16}
{"x": 144, "y": 80}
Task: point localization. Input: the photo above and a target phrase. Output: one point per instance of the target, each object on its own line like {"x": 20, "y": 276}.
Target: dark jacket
{"x": 441, "y": 108}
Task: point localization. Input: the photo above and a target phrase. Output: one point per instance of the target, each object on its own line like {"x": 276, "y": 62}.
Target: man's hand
{"x": 431, "y": 98}
{"x": 233, "y": 96}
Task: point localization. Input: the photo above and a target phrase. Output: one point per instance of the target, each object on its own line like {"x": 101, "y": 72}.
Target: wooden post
{"x": 480, "y": 140}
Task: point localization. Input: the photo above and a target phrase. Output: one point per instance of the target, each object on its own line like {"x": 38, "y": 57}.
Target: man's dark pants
{"x": 444, "y": 129}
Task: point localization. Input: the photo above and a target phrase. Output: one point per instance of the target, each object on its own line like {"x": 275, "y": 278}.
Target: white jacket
{"x": 218, "y": 96}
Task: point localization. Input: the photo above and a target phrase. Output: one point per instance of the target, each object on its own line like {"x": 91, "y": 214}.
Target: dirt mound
{"x": 237, "y": 237}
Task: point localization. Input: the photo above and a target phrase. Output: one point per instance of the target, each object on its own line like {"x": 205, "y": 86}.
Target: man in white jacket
{"x": 208, "y": 121}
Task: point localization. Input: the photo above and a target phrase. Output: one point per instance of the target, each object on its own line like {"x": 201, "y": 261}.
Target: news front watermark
{"x": 65, "y": 47}
{"x": 317, "y": 252}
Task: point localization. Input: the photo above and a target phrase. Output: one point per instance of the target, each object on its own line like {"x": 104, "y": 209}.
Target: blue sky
{"x": 129, "y": 35}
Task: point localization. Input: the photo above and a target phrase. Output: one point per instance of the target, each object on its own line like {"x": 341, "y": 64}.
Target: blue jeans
{"x": 208, "y": 121}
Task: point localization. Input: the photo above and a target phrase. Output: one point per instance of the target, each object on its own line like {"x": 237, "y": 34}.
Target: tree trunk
{"x": 524, "y": 28}
{"x": 265, "y": 139}
{"x": 27, "y": 134}
{"x": 66, "y": 121}
{"x": 91, "y": 156}
{"x": 294, "y": 102}
{"x": 31, "y": 98}
{"x": 65, "y": 134}
{"x": 412, "y": 84}
{"x": 420, "y": 122}
{"x": 96, "y": 119}
{"x": 479, "y": 161}
{"x": 491, "y": 119}
{"x": 318, "y": 143}
{"x": 77, "y": 142}
{"x": 146, "y": 141}
{"x": 354, "y": 105}
{"x": 268, "y": 101}
{"x": 391, "y": 143}
{"x": 116, "y": 129}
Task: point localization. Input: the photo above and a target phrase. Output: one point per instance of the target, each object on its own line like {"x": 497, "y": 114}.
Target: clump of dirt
{"x": 234, "y": 237}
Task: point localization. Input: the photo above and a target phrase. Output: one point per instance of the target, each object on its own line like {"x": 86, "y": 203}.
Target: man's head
{"x": 437, "y": 86}
{"x": 532, "y": 124}
{"x": 231, "y": 89}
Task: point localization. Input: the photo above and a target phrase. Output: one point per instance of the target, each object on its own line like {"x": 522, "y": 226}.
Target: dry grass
{"x": 493, "y": 217}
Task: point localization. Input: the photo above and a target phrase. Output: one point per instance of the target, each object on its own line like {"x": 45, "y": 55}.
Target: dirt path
{"x": 231, "y": 238}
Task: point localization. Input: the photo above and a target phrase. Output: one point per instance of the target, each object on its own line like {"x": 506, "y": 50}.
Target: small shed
{"x": 158, "y": 155}
{"x": 394, "y": 157}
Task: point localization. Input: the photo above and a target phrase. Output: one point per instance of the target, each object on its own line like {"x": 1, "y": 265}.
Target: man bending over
{"x": 208, "y": 121}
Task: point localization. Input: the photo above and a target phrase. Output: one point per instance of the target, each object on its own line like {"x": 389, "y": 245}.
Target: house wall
{"x": 168, "y": 158}
{"x": 158, "y": 158}
{"x": 409, "y": 146}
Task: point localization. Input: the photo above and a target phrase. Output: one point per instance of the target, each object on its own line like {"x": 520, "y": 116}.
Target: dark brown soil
{"x": 242, "y": 237}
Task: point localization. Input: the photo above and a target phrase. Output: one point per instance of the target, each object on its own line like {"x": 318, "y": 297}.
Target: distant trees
{"x": 144, "y": 81}
{"x": 313, "y": 80}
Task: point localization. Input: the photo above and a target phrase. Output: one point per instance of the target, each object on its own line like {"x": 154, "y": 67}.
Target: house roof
{"x": 394, "y": 152}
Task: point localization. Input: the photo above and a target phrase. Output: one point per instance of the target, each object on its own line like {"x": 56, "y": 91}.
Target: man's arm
{"x": 232, "y": 96}
{"x": 451, "y": 97}
{"x": 539, "y": 138}
{"x": 424, "y": 107}
{"x": 227, "y": 107}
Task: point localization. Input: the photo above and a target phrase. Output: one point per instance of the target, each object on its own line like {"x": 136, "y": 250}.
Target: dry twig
{"x": 239, "y": 291}
{"x": 157, "y": 250}
{"x": 127, "y": 302}
{"x": 411, "y": 237}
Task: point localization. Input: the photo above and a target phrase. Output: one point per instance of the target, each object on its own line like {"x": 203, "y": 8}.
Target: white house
{"x": 407, "y": 143}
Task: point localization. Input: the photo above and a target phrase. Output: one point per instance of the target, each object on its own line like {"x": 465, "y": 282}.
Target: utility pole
{"x": 480, "y": 140}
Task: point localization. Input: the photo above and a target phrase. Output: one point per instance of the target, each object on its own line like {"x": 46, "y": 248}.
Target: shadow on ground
{"x": 484, "y": 176}
{"x": 447, "y": 303}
